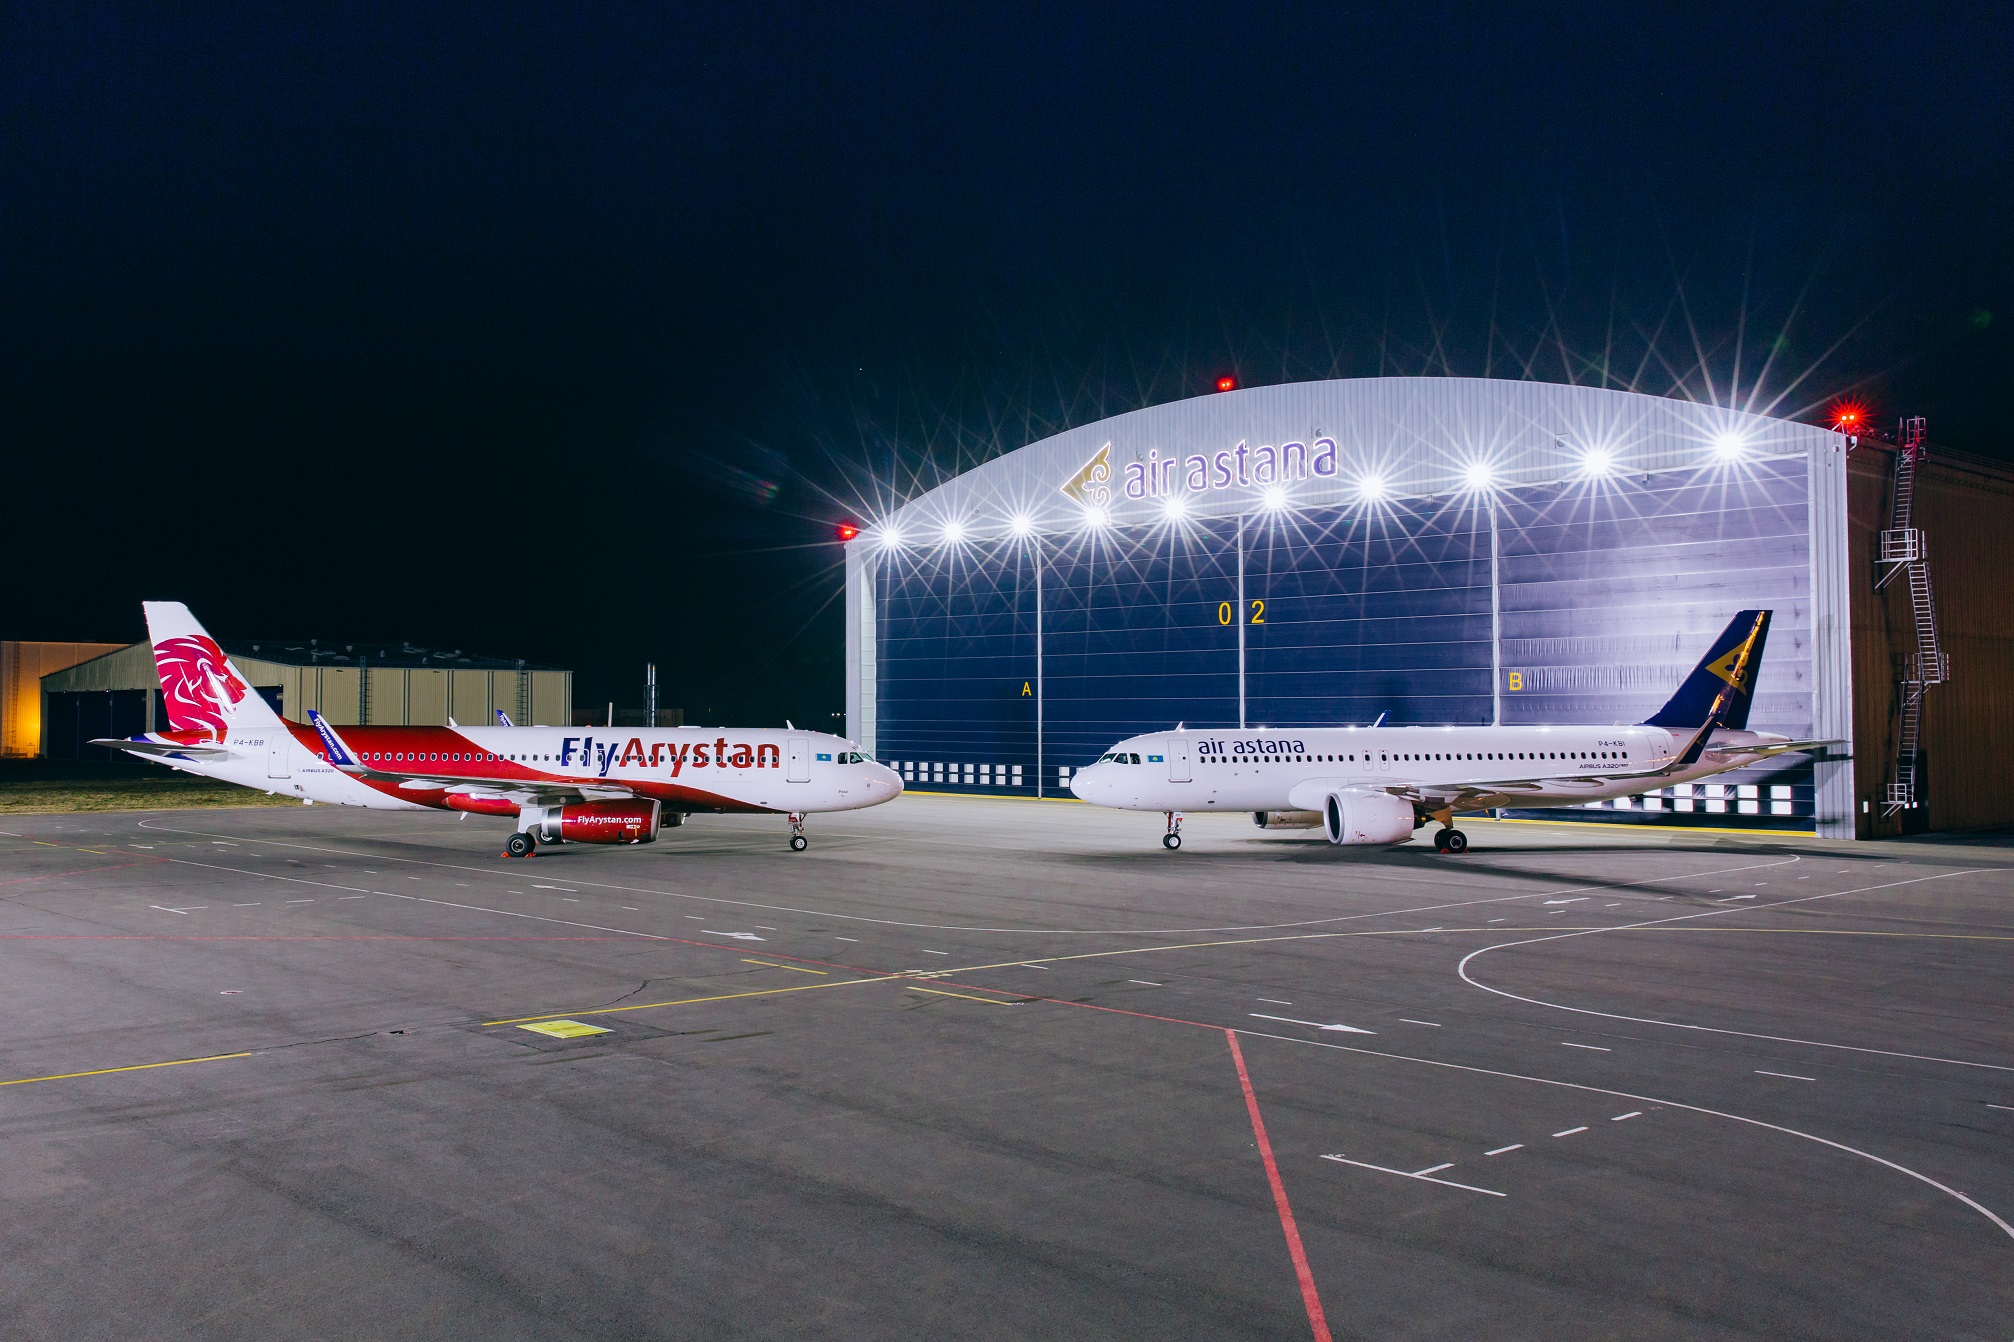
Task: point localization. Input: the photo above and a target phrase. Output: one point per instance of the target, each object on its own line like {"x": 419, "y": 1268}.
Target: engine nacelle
{"x": 633, "y": 821}
{"x": 1287, "y": 819}
{"x": 1368, "y": 817}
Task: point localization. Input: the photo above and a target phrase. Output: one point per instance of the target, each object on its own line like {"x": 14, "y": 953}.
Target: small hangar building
{"x": 1452, "y": 551}
{"x": 118, "y": 692}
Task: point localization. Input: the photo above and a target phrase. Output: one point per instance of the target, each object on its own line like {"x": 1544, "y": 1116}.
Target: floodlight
{"x": 890, "y": 538}
{"x": 1479, "y": 476}
{"x": 1598, "y": 461}
{"x": 1370, "y": 487}
{"x": 1096, "y": 516}
{"x": 1177, "y": 508}
{"x": 1275, "y": 497}
{"x": 1021, "y": 525}
{"x": 954, "y": 531}
{"x": 1727, "y": 445}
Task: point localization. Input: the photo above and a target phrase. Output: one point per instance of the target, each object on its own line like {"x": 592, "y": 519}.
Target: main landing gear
{"x": 797, "y": 839}
{"x": 1451, "y": 840}
{"x": 1173, "y": 838}
{"x": 520, "y": 844}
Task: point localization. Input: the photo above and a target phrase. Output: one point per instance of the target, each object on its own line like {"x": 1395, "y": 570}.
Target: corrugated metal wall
{"x": 1966, "y": 511}
{"x": 348, "y": 695}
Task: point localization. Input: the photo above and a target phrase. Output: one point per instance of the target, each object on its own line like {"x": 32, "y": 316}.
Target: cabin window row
{"x": 1589, "y": 756}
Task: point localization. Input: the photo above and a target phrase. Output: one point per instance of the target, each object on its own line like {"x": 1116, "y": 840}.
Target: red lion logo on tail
{"x": 197, "y": 683}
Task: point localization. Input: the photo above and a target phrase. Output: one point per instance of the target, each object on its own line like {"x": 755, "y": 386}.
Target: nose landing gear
{"x": 1451, "y": 840}
{"x": 797, "y": 839}
{"x": 1173, "y": 838}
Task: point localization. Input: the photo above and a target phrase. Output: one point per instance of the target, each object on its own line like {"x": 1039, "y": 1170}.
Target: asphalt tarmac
{"x": 993, "y": 1069}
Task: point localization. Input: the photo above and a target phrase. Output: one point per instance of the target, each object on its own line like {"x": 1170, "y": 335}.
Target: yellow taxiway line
{"x": 136, "y": 1067}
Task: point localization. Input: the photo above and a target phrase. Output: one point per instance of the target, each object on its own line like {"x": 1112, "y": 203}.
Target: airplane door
{"x": 278, "y": 764}
{"x": 1178, "y": 761}
{"x": 797, "y": 758}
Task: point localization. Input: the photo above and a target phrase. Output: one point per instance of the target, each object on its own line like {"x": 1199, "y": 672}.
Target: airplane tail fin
{"x": 202, "y": 690}
{"x": 1721, "y": 687}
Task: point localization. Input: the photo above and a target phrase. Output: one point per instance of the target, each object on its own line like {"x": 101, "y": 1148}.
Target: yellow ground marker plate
{"x": 566, "y": 1029}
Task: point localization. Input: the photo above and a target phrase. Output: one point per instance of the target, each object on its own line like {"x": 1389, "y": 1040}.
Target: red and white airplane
{"x": 1376, "y": 785}
{"x": 561, "y": 784}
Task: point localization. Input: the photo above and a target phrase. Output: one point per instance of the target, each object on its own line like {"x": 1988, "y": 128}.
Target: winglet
{"x": 503, "y": 719}
{"x": 339, "y": 754}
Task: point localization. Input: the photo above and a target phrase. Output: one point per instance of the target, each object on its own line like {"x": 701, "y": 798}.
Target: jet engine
{"x": 632, "y": 821}
{"x": 1368, "y": 817}
{"x": 1287, "y": 819}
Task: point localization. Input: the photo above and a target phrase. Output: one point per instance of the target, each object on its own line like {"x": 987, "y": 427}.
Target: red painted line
{"x": 1313, "y": 1301}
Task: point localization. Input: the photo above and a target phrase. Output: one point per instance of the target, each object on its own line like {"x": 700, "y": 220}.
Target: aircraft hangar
{"x": 1440, "y": 551}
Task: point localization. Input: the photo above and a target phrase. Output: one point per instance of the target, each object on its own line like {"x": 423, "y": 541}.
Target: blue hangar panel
{"x": 1029, "y": 613}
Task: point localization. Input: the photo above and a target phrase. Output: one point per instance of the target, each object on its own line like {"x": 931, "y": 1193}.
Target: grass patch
{"x": 18, "y": 796}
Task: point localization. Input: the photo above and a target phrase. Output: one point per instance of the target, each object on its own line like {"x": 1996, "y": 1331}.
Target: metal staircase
{"x": 1904, "y": 552}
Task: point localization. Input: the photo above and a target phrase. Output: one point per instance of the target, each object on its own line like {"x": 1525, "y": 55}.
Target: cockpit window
{"x": 1105, "y": 758}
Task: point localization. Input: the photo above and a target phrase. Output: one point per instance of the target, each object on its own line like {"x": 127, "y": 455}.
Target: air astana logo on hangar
{"x": 197, "y": 683}
{"x": 1242, "y": 467}
{"x": 1091, "y": 486}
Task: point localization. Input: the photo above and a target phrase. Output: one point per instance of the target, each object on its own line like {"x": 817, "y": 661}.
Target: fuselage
{"x": 687, "y": 769}
{"x": 1269, "y": 770}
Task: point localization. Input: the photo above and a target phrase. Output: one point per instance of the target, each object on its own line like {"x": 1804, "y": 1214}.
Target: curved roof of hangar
{"x": 1323, "y": 443}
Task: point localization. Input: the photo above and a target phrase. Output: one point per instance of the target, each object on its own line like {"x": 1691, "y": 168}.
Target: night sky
{"x": 570, "y": 332}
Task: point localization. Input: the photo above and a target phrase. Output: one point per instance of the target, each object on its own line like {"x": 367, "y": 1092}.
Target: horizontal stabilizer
{"x": 162, "y": 749}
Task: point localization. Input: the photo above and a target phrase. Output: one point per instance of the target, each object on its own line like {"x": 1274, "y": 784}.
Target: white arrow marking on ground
{"x": 1311, "y": 1024}
{"x": 738, "y": 936}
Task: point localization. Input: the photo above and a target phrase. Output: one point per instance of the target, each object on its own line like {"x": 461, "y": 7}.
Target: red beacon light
{"x": 847, "y": 531}
{"x": 1849, "y": 416}
{"x": 1227, "y": 384}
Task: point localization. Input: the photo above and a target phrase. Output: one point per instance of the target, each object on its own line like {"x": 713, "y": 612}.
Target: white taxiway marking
{"x": 300, "y": 901}
{"x": 1501, "y": 1150}
{"x": 184, "y": 912}
{"x": 765, "y": 929}
{"x": 630, "y": 908}
{"x": 1274, "y": 1000}
{"x": 937, "y": 952}
{"x": 1634, "y": 1113}
{"x": 352, "y": 896}
{"x": 1407, "y": 1174}
{"x": 2008, "y": 1107}
{"x": 1410, "y": 1021}
{"x": 1029, "y": 966}
{"x": 253, "y": 905}
{"x": 1147, "y": 984}
{"x": 1787, "y": 1076}
{"x": 1592, "y": 1048}
{"x": 738, "y": 936}
{"x": 1569, "y": 1132}
{"x": 839, "y": 938}
{"x": 1313, "y": 1025}
{"x": 1434, "y": 1169}
{"x": 1575, "y": 900}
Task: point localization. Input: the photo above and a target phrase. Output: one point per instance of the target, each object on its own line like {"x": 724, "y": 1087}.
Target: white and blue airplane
{"x": 1376, "y": 785}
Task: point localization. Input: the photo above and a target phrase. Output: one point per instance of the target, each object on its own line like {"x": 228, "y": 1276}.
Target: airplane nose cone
{"x": 1082, "y": 785}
